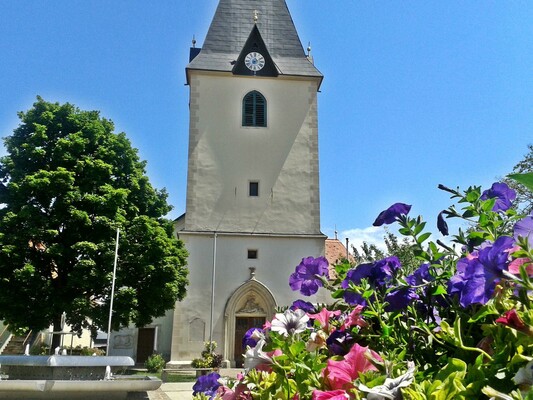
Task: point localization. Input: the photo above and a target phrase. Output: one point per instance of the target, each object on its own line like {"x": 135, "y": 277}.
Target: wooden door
{"x": 145, "y": 344}
{"x": 242, "y": 324}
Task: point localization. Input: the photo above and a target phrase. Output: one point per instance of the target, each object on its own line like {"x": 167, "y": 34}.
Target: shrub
{"x": 155, "y": 363}
{"x": 89, "y": 351}
{"x": 209, "y": 358}
{"x": 40, "y": 349}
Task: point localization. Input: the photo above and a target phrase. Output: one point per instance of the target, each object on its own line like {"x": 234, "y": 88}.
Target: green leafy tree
{"x": 66, "y": 184}
{"x": 403, "y": 249}
{"x": 367, "y": 253}
{"x": 524, "y": 197}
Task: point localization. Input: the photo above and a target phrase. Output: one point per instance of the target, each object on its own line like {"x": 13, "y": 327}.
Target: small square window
{"x": 252, "y": 254}
{"x": 254, "y": 189}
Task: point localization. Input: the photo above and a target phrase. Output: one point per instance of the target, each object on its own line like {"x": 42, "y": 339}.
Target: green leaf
{"x": 451, "y": 376}
{"x": 439, "y": 290}
{"x": 296, "y": 348}
{"x": 422, "y": 238}
{"x": 472, "y": 196}
{"x": 487, "y": 309}
{"x": 419, "y": 228}
{"x": 525, "y": 179}
{"x": 404, "y": 231}
{"x": 488, "y": 204}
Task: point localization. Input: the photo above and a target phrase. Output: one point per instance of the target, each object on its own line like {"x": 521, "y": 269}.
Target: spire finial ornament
{"x": 256, "y": 16}
{"x": 193, "y": 42}
{"x": 309, "y": 56}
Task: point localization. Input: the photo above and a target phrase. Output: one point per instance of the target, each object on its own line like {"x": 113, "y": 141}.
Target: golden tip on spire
{"x": 256, "y": 16}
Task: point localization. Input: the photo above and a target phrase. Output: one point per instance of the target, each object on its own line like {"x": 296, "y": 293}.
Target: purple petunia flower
{"x": 306, "y": 277}
{"x": 354, "y": 299}
{"x": 340, "y": 342}
{"x": 442, "y": 226}
{"x": 477, "y": 276}
{"x": 502, "y": 193}
{"x": 524, "y": 228}
{"x": 207, "y": 384}
{"x": 389, "y": 215}
{"x": 377, "y": 273}
{"x": 302, "y": 305}
{"x": 430, "y": 313}
{"x": 420, "y": 276}
{"x": 355, "y": 275}
{"x": 251, "y": 337}
{"x": 400, "y": 299}
{"x": 496, "y": 257}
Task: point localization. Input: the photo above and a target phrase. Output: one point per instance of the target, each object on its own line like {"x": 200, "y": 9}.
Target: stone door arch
{"x": 252, "y": 301}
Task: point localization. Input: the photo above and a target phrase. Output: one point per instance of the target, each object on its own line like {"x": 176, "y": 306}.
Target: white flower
{"x": 494, "y": 394}
{"x": 290, "y": 322}
{"x": 317, "y": 340}
{"x": 524, "y": 376}
{"x": 256, "y": 356}
{"x": 258, "y": 335}
{"x": 390, "y": 390}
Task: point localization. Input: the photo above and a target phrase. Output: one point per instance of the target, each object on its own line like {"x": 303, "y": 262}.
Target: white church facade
{"x": 253, "y": 206}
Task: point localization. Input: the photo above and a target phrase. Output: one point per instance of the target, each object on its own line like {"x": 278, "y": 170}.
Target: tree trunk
{"x": 56, "y": 338}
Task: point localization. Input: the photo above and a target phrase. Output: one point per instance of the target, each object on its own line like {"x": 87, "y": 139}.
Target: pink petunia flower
{"x": 323, "y": 317}
{"x": 512, "y": 319}
{"x": 354, "y": 318}
{"x": 226, "y": 393}
{"x": 330, "y": 395}
{"x": 514, "y": 266}
{"x": 342, "y": 374}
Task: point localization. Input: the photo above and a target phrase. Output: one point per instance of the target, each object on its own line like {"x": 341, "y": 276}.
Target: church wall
{"x": 277, "y": 259}
{"x": 224, "y": 156}
{"x": 124, "y": 342}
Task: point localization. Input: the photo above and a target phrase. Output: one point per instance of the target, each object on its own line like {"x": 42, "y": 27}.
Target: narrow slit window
{"x": 254, "y": 189}
{"x": 254, "y": 109}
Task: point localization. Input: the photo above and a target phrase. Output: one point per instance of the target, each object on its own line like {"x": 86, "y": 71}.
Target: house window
{"x": 253, "y": 189}
{"x": 252, "y": 254}
{"x": 254, "y": 109}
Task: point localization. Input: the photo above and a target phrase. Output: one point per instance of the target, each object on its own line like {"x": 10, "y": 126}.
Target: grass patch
{"x": 171, "y": 378}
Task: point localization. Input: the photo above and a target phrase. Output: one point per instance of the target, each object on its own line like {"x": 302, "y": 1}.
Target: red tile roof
{"x": 336, "y": 251}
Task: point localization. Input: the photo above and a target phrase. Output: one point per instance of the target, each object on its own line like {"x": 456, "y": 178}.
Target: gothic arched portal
{"x": 250, "y": 305}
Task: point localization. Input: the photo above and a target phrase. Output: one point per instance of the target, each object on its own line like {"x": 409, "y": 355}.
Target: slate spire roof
{"x": 233, "y": 23}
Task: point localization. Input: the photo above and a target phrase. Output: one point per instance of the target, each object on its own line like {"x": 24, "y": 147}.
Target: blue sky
{"x": 416, "y": 93}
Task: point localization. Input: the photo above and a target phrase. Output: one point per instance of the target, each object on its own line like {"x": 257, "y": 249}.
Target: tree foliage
{"x": 524, "y": 197}
{"x": 66, "y": 184}
{"x": 403, "y": 249}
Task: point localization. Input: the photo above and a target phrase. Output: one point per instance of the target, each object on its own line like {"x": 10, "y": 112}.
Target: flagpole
{"x": 112, "y": 294}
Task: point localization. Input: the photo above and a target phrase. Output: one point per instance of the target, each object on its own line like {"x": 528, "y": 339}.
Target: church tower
{"x": 253, "y": 208}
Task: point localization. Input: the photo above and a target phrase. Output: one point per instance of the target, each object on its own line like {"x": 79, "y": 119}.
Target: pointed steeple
{"x": 231, "y": 27}
{"x": 255, "y": 45}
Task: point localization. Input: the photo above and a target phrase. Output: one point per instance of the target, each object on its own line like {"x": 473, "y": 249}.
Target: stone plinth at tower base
{"x": 69, "y": 377}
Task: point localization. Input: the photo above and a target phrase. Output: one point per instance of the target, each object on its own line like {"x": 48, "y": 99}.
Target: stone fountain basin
{"x": 114, "y": 389}
{"x": 69, "y": 377}
{"x": 61, "y": 367}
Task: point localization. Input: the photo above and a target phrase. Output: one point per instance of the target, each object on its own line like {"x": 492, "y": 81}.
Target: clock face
{"x": 254, "y": 61}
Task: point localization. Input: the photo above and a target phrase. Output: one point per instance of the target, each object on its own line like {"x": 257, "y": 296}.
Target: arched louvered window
{"x": 254, "y": 109}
